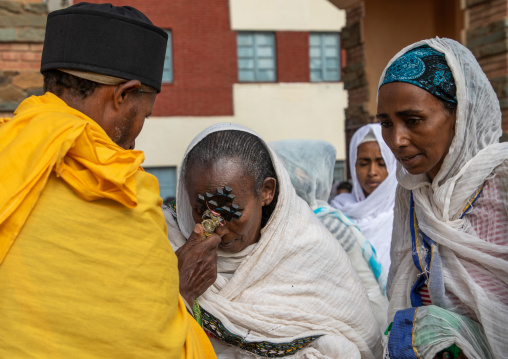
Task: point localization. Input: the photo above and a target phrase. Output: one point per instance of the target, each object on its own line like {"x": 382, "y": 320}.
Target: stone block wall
{"x": 22, "y": 28}
{"x": 487, "y": 38}
{"x": 355, "y": 79}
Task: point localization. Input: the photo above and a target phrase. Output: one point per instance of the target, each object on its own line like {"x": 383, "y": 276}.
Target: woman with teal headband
{"x": 448, "y": 282}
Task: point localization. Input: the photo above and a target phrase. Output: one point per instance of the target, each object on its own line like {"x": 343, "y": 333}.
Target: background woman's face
{"x": 244, "y": 231}
{"x": 416, "y": 127}
{"x": 370, "y": 167}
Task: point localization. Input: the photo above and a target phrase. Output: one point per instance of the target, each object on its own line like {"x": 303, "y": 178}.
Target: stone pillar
{"x": 355, "y": 79}
{"x": 22, "y": 28}
{"x": 487, "y": 37}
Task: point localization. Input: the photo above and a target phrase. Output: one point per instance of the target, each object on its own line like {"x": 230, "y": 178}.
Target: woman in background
{"x": 370, "y": 205}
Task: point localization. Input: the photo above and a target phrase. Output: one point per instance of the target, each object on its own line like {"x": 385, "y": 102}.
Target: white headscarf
{"x": 473, "y": 157}
{"x": 373, "y": 214}
{"x": 310, "y": 165}
{"x": 295, "y": 282}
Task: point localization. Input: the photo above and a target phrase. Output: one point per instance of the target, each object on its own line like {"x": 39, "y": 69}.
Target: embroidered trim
{"x": 216, "y": 329}
{"x": 413, "y": 334}
{"x": 422, "y": 264}
{"x": 401, "y": 341}
{"x": 425, "y": 246}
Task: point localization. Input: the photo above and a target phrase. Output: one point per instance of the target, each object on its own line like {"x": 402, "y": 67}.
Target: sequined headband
{"x": 426, "y": 68}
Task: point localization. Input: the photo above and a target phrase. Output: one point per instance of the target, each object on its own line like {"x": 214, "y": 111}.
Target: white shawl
{"x": 473, "y": 157}
{"x": 295, "y": 283}
{"x": 310, "y": 166}
{"x": 374, "y": 214}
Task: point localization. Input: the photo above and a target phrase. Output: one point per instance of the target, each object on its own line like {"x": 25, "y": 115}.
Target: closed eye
{"x": 412, "y": 121}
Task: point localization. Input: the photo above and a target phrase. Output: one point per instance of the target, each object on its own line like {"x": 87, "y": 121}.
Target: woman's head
{"x": 437, "y": 109}
{"x": 241, "y": 161}
{"x": 370, "y": 161}
{"x": 417, "y": 127}
{"x": 310, "y": 164}
{"x": 370, "y": 165}
{"x": 416, "y": 107}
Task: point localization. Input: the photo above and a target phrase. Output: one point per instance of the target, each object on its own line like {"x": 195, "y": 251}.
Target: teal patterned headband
{"x": 424, "y": 67}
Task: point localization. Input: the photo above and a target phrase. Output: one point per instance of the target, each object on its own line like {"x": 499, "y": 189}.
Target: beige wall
{"x": 275, "y": 111}
{"x": 285, "y": 15}
{"x": 390, "y": 25}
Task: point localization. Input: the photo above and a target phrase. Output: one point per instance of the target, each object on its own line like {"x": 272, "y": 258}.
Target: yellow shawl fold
{"x": 37, "y": 142}
{"x": 86, "y": 269}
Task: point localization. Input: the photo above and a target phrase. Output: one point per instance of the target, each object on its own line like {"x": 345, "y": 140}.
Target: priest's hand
{"x": 197, "y": 262}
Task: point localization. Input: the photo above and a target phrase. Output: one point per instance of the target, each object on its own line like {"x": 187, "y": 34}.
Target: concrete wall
{"x": 284, "y": 15}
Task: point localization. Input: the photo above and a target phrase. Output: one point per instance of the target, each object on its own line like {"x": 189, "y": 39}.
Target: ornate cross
{"x": 217, "y": 208}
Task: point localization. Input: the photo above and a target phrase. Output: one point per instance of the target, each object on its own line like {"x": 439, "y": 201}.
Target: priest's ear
{"x": 125, "y": 92}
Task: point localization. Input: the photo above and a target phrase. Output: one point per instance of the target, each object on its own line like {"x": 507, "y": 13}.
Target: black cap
{"x": 118, "y": 41}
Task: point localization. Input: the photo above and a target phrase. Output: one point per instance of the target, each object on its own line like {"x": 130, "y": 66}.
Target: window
{"x": 167, "y": 180}
{"x": 324, "y": 56}
{"x": 339, "y": 171}
{"x": 256, "y": 56}
{"x": 167, "y": 73}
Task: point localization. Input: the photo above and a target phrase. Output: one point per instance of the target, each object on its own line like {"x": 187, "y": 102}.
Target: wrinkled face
{"x": 130, "y": 119}
{"x": 370, "y": 167}
{"x": 416, "y": 127}
{"x": 244, "y": 231}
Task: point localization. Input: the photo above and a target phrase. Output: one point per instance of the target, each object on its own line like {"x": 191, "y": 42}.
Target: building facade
{"x": 273, "y": 66}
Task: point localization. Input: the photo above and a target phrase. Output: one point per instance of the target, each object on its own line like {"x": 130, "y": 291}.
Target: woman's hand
{"x": 197, "y": 262}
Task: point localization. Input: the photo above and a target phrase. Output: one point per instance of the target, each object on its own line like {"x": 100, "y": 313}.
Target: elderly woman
{"x": 370, "y": 205}
{"x": 284, "y": 287}
{"x": 448, "y": 280}
{"x": 310, "y": 165}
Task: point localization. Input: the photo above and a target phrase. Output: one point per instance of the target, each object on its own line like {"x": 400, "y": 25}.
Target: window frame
{"x": 322, "y": 47}
{"x": 157, "y": 172}
{"x": 255, "y": 57}
{"x": 168, "y": 55}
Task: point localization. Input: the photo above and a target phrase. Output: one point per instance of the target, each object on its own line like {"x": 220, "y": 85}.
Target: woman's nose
{"x": 373, "y": 170}
{"x": 399, "y": 137}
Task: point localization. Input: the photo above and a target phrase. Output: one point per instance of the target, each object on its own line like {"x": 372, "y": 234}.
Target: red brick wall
{"x": 292, "y": 56}
{"x": 204, "y": 56}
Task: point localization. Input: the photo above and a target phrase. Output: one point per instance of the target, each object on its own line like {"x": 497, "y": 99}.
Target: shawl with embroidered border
{"x": 294, "y": 292}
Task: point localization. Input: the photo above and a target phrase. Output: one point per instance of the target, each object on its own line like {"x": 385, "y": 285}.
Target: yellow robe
{"x": 86, "y": 270}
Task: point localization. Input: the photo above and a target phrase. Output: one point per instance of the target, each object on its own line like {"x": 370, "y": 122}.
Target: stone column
{"x": 355, "y": 79}
{"x": 487, "y": 37}
{"x": 22, "y": 28}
